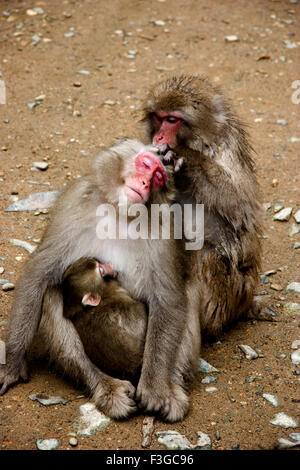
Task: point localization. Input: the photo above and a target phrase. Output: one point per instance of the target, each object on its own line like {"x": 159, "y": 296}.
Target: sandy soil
{"x": 81, "y": 113}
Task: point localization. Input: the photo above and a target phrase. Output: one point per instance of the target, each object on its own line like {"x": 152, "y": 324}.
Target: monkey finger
{"x": 4, "y": 388}
{"x": 165, "y": 409}
{"x": 153, "y": 405}
{"x": 178, "y": 164}
{"x": 169, "y": 156}
{"x": 162, "y": 148}
{"x": 129, "y": 390}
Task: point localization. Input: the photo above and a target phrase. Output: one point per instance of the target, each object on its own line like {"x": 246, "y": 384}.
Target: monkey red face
{"x": 166, "y": 127}
{"x": 149, "y": 175}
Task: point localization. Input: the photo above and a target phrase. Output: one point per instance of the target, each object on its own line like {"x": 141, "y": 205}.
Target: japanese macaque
{"x": 110, "y": 323}
{"x": 151, "y": 271}
{"x": 213, "y": 166}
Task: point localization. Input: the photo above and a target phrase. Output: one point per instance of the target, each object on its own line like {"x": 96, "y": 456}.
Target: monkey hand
{"x": 115, "y": 398}
{"x": 9, "y": 377}
{"x": 169, "y": 157}
{"x": 170, "y": 402}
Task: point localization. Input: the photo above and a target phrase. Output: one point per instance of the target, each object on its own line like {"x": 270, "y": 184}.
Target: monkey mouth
{"x": 133, "y": 194}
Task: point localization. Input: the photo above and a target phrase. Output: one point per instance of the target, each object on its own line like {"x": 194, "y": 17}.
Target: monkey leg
{"x": 189, "y": 349}
{"x": 113, "y": 335}
{"x": 227, "y": 291}
{"x": 8, "y": 378}
{"x": 158, "y": 391}
{"x": 112, "y": 396}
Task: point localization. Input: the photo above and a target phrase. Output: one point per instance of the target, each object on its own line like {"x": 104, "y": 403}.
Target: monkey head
{"x": 131, "y": 172}
{"x": 185, "y": 111}
{"x": 83, "y": 282}
{"x": 149, "y": 175}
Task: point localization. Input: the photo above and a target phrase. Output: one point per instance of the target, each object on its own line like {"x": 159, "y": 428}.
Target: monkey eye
{"x": 101, "y": 270}
{"x": 172, "y": 119}
{"x": 147, "y": 163}
{"x": 159, "y": 178}
{"x": 157, "y": 119}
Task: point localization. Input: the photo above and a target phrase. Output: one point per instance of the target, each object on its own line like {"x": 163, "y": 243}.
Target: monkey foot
{"x": 116, "y": 400}
{"x": 8, "y": 378}
{"x": 172, "y": 405}
{"x": 260, "y": 311}
{"x": 265, "y": 314}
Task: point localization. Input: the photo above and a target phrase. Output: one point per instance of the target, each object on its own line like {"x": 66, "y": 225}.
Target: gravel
{"x": 284, "y": 420}
{"x": 91, "y": 421}
{"x": 297, "y": 216}
{"x": 291, "y": 307}
{"x": 46, "y": 401}
{"x": 295, "y": 357}
{"x": 293, "y": 230}
{"x": 36, "y": 201}
{"x": 286, "y": 444}
{"x": 205, "y": 367}
{"x": 211, "y": 389}
{"x": 248, "y": 351}
{"x": 209, "y": 380}
{"x": 284, "y": 214}
{"x": 22, "y": 244}
{"x": 173, "y": 440}
{"x": 203, "y": 441}
{"x": 293, "y": 287}
{"x": 47, "y": 444}
{"x": 73, "y": 442}
{"x": 271, "y": 399}
{"x": 41, "y": 165}
{"x": 8, "y": 286}
{"x": 231, "y": 38}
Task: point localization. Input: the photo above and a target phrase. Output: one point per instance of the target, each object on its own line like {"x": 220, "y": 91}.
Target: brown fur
{"x": 112, "y": 333}
{"x": 218, "y": 171}
{"x": 150, "y": 270}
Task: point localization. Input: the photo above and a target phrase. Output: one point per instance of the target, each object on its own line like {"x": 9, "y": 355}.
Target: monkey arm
{"x": 156, "y": 390}
{"x": 44, "y": 267}
{"x": 219, "y": 190}
{"x": 25, "y": 316}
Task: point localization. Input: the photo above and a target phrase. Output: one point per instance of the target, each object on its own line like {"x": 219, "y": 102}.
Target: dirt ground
{"x": 41, "y": 54}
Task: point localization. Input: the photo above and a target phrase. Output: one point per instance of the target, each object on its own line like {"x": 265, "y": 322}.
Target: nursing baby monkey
{"x": 111, "y": 324}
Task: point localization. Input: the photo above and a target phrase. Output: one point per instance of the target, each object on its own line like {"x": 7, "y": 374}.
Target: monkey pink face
{"x": 149, "y": 175}
{"x": 166, "y": 127}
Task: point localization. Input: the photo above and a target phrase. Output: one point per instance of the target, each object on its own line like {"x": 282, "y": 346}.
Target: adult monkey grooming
{"x": 150, "y": 270}
{"x": 213, "y": 166}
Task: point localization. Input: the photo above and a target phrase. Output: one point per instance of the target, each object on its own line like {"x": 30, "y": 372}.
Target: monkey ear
{"x": 91, "y": 299}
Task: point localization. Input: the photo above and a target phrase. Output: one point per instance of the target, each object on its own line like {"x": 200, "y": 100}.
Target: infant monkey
{"x": 104, "y": 315}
